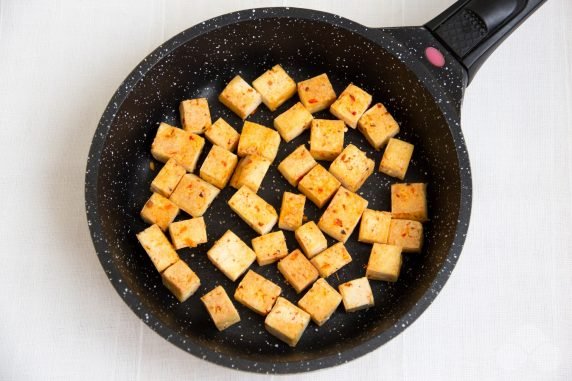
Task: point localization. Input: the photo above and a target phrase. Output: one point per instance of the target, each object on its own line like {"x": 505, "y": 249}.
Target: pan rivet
{"x": 435, "y": 57}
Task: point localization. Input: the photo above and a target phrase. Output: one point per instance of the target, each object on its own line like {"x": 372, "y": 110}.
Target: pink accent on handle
{"x": 435, "y": 57}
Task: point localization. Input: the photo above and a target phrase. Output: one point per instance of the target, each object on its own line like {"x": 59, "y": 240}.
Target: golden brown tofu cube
{"x": 231, "y": 255}
{"x": 220, "y": 308}
{"x": 350, "y": 105}
{"x": 374, "y": 227}
{"x": 292, "y": 122}
{"x": 287, "y": 322}
{"x": 250, "y": 172}
{"x": 384, "y": 262}
{"x": 195, "y": 115}
{"x": 159, "y": 210}
{"x": 298, "y": 270}
{"x": 331, "y": 260}
{"x": 356, "y": 294}
{"x": 319, "y": 185}
{"x": 270, "y": 248}
{"x": 409, "y": 202}
{"x": 296, "y": 165}
{"x": 222, "y": 134}
{"x": 175, "y": 143}
{"x": 292, "y": 211}
{"x": 253, "y": 210}
{"x": 240, "y": 97}
{"x": 257, "y": 293}
{"x": 188, "y": 233}
{"x": 181, "y": 280}
{"x": 407, "y": 234}
{"x": 342, "y": 215}
{"x": 320, "y": 301}
{"x": 352, "y": 168}
{"x": 157, "y": 247}
{"x": 194, "y": 195}
{"x": 311, "y": 239}
{"x": 218, "y": 166}
{"x": 326, "y": 139}
{"x": 275, "y": 86}
{"x": 378, "y": 126}
{"x": 168, "y": 178}
{"x": 317, "y": 93}
{"x": 396, "y": 157}
{"x": 255, "y": 139}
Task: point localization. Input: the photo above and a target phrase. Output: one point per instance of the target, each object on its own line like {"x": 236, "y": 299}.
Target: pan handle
{"x": 473, "y": 29}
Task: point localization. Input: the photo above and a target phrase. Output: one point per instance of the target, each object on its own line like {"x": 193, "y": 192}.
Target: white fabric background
{"x": 506, "y": 312}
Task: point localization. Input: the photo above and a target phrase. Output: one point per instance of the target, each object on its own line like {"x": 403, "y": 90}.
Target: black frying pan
{"x": 395, "y": 66}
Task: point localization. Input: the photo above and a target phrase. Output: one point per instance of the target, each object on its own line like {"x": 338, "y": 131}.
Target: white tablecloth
{"x": 506, "y": 312}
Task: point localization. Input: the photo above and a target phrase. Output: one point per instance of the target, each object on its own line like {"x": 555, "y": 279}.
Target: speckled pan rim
{"x": 348, "y": 354}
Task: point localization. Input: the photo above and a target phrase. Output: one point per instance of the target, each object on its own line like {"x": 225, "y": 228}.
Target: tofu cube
{"x": 220, "y": 308}
{"x": 352, "y": 168}
{"x": 240, "y": 97}
{"x": 356, "y": 294}
{"x": 326, "y": 139}
{"x": 175, "y": 143}
{"x": 257, "y": 293}
{"x": 195, "y": 115}
{"x": 159, "y": 210}
{"x": 311, "y": 239}
{"x": 275, "y": 86}
{"x": 157, "y": 247}
{"x": 396, "y": 157}
{"x": 292, "y": 122}
{"x": 231, "y": 255}
{"x": 218, "y": 166}
{"x": 168, "y": 178}
{"x": 292, "y": 211}
{"x": 374, "y": 227}
{"x": 384, "y": 262}
{"x": 188, "y": 233}
{"x": 342, "y": 215}
{"x": 253, "y": 210}
{"x": 181, "y": 280}
{"x": 350, "y": 105}
{"x": 409, "y": 201}
{"x": 255, "y": 139}
{"x": 194, "y": 195}
{"x": 296, "y": 165}
{"x": 250, "y": 172}
{"x": 317, "y": 93}
{"x": 298, "y": 270}
{"x": 320, "y": 301}
{"x": 319, "y": 185}
{"x": 407, "y": 234}
{"x": 222, "y": 134}
{"x": 331, "y": 260}
{"x": 287, "y": 322}
{"x": 378, "y": 126}
{"x": 270, "y": 248}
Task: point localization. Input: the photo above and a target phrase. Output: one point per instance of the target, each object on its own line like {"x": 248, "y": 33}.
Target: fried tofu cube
{"x": 220, "y": 308}
{"x": 331, "y": 260}
{"x": 270, "y": 248}
{"x": 326, "y": 139}
{"x": 407, "y": 234}
{"x": 195, "y": 115}
{"x": 298, "y": 270}
{"x": 409, "y": 201}
{"x": 253, "y": 210}
{"x": 175, "y": 143}
{"x": 396, "y": 158}
{"x": 311, "y": 239}
{"x": 320, "y": 301}
{"x": 168, "y": 178}
{"x": 342, "y": 215}
{"x": 231, "y": 255}
{"x": 194, "y": 195}
{"x": 222, "y": 134}
{"x": 159, "y": 210}
{"x": 181, "y": 280}
{"x": 188, "y": 233}
{"x": 250, "y": 172}
{"x": 292, "y": 211}
{"x": 255, "y": 139}
{"x": 374, "y": 227}
{"x": 157, "y": 247}
{"x": 292, "y": 122}
{"x": 352, "y": 167}
{"x": 287, "y": 322}
{"x": 218, "y": 166}
{"x": 317, "y": 93}
{"x": 378, "y": 126}
{"x": 350, "y": 105}
{"x": 356, "y": 294}
{"x": 240, "y": 97}
{"x": 319, "y": 185}
{"x": 257, "y": 293}
{"x": 296, "y": 165}
{"x": 384, "y": 262}
{"x": 275, "y": 86}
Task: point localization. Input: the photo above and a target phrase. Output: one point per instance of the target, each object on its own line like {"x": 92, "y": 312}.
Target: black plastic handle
{"x": 473, "y": 29}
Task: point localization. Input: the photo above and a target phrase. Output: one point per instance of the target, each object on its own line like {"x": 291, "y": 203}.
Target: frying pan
{"x": 419, "y": 73}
